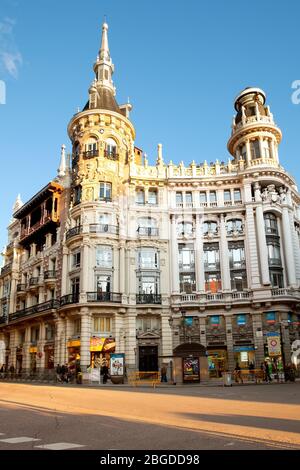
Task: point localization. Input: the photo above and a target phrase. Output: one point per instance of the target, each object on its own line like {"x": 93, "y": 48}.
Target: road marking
{"x": 18, "y": 440}
{"x": 59, "y": 446}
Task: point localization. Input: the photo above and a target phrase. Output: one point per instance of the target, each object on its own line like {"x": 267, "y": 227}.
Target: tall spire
{"x": 18, "y": 203}
{"x": 62, "y": 165}
{"x": 104, "y": 67}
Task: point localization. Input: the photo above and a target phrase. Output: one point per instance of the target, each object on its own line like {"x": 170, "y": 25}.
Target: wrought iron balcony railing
{"x": 103, "y": 297}
{"x": 147, "y": 232}
{"x": 69, "y": 299}
{"x": 104, "y": 228}
{"x": 73, "y": 231}
{"x": 50, "y": 275}
{"x": 38, "y": 308}
{"x": 148, "y": 299}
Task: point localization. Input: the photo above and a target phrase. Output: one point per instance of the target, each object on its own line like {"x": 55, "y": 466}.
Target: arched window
{"x": 91, "y": 148}
{"x": 184, "y": 229}
{"x": 210, "y": 227}
{"x": 111, "y": 149}
{"x": 234, "y": 225}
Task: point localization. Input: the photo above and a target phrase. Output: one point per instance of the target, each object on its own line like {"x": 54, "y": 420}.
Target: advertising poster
{"x": 191, "y": 369}
{"x": 274, "y": 346}
{"x": 117, "y": 364}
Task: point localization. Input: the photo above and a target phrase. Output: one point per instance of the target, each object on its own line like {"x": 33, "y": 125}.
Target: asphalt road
{"x": 193, "y": 418}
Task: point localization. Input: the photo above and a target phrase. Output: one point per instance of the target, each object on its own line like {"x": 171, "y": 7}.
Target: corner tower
{"x": 102, "y": 136}
{"x": 255, "y": 136}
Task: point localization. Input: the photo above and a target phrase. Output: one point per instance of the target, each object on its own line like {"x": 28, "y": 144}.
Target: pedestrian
{"x": 252, "y": 371}
{"x": 105, "y": 373}
{"x": 238, "y": 373}
{"x": 268, "y": 377}
{"x": 163, "y": 372}
{"x": 58, "y": 373}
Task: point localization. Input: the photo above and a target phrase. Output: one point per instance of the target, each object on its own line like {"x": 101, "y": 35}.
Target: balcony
{"x": 34, "y": 282}
{"x": 147, "y": 232}
{"x": 111, "y": 155}
{"x": 105, "y": 199}
{"x": 90, "y": 153}
{"x": 73, "y": 232}
{"x": 103, "y": 297}
{"x": 104, "y": 228}
{"x": 189, "y": 267}
{"x": 275, "y": 262}
{"x": 38, "y": 308}
{"x": 6, "y": 269}
{"x": 148, "y": 299}
{"x": 69, "y": 299}
{"x": 21, "y": 289}
{"x": 50, "y": 277}
{"x": 285, "y": 292}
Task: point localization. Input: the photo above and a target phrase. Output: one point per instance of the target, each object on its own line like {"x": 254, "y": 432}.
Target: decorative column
{"x": 262, "y": 246}
{"x": 119, "y": 333}
{"x": 13, "y": 293}
{"x": 248, "y": 152}
{"x": 64, "y": 274}
{"x": 131, "y": 352}
{"x": 229, "y": 341}
{"x": 288, "y": 248}
{"x": 174, "y": 256}
{"x": 40, "y": 361}
{"x": 116, "y": 276}
{"x": 122, "y": 273}
{"x": 166, "y": 336}
{"x": 59, "y": 327}
{"x": 26, "y": 353}
{"x": 69, "y": 329}
{"x": 84, "y": 274}
{"x": 200, "y": 280}
{"x": 85, "y": 339}
{"x": 261, "y": 149}
{"x": 224, "y": 256}
{"x": 13, "y": 344}
{"x": 258, "y": 339}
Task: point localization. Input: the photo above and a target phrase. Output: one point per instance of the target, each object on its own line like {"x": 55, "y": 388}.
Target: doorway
{"x": 148, "y": 358}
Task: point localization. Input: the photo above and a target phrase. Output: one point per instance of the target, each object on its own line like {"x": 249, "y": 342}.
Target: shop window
{"x": 270, "y": 317}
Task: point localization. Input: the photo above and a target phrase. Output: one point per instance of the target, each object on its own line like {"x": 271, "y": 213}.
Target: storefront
{"x": 217, "y": 361}
{"x": 273, "y": 354}
{"x": 244, "y": 356}
{"x": 100, "y": 349}
{"x": 190, "y": 363}
{"x": 33, "y": 354}
{"x": 49, "y": 356}
{"x": 19, "y": 360}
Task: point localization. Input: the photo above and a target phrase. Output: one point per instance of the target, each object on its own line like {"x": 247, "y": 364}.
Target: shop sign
{"x": 215, "y": 320}
{"x": 109, "y": 345}
{"x": 188, "y": 321}
{"x": 33, "y": 349}
{"x": 191, "y": 369}
{"x": 74, "y": 343}
{"x": 117, "y": 364}
{"x": 243, "y": 348}
{"x": 241, "y": 320}
{"x": 271, "y": 317}
{"x": 274, "y": 346}
{"x": 97, "y": 343}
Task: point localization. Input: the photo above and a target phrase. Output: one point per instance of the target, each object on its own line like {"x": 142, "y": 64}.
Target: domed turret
{"x": 255, "y": 136}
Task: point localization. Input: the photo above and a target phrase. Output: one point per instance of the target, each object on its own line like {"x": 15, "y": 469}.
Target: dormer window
{"x": 111, "y": 149}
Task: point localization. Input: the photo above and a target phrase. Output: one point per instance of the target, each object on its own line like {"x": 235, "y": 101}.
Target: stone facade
{"x": 141, "y": 259}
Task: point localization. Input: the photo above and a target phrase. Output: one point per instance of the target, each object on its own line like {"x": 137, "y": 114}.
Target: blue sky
{"x": 181, "y": 63}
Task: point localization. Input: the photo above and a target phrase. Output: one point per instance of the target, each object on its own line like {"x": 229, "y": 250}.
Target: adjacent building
{"x": 116, "y": 255}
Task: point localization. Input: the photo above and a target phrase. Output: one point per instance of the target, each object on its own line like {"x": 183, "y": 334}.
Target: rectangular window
{"x": 237, "y": 195}
{"x": 103, "y": 283}
{"x": 187, "y": 283}
{"x": 76, "y": 259}
{"x": 203, "y": 198}
{"x": 211, "y": 256}
{"x": 35, "y": 334}
{"x": 102, "y": 324}
{"x": 238, "y": 280}
{"x": 227, "y": 195}
{"x": 105, "y": 192}
{"x": 152, "y": 197}
{"x": 212, "y": 196}
{"x": 147, "y": 324}
{"x": 276, "y": 278}
{"x": 188, "y": 199}
{"x": 148, "y": 284}
{"x": 236, "y": 255}
{"x": 77, "y": 326}
{"x": 104, "y": 256}
{"x": 148, "y": 258}
{"x": 186, "y": 257}
{"x": 213, "y": 282}
{"x": 75, "y": 285}
{"x": 140, "y": 196}
{"x": 179, "y": 199}
{"x": 49, "y": 332}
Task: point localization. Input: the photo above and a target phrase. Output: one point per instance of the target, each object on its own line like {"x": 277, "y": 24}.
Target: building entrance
{"x": 148, "y": 358}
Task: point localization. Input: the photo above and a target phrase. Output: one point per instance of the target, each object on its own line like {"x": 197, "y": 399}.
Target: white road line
{"x": 59, "y": 446}
{"x": 18, "y": 440}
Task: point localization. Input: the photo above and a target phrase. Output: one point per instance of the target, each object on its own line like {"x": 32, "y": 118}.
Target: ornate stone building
{"x": 117, "y": 255}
